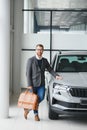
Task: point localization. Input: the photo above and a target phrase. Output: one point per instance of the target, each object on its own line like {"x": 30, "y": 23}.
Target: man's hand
{"x": 59, "y": 77}
{"x": 29, "y": 87}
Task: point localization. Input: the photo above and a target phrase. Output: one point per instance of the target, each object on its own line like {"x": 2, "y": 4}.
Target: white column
{"x": 4, "y": 57}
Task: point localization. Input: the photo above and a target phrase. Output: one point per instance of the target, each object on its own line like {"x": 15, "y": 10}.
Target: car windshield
{"x": 72, "y": 63}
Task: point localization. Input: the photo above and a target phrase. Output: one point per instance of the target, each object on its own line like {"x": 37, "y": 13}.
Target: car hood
{"x": 74, "y": 79}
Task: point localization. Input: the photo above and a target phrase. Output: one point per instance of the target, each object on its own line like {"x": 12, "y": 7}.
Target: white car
{"x": 69, "y": 95}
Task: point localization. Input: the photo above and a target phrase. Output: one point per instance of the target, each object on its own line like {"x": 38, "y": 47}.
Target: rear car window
{"x": 72, "y": 63}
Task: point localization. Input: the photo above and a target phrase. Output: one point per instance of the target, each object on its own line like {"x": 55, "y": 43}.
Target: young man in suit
{"x": 35, "y": 69}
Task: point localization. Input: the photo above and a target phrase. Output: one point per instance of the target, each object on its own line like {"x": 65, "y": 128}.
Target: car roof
{"x": 72, "y": 52}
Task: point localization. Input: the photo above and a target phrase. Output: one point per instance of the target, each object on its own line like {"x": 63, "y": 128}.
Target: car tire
{"x": 47, "y": 98}
{"x": 51, "y": 114}
{"x": 47, "y": 94}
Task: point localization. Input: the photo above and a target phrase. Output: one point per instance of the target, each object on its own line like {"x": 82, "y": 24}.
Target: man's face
{"x": 39, "y": 51}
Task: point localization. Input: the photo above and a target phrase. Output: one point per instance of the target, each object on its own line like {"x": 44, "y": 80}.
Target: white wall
{"x": 29, "y": 40}
{"x": 70, "y": 41}
{"x": 18, "y": 20}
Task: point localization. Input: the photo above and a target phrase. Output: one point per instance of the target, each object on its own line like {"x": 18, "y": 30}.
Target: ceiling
{"x": 61, "y": 19}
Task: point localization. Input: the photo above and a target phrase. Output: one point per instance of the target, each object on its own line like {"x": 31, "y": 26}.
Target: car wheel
{"x": 47, "y": 94}
{"x": 47, "y": 97}
{"x": 52, "y": 115}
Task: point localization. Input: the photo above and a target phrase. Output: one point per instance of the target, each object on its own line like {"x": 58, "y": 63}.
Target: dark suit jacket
{"x": 35, "y": 75}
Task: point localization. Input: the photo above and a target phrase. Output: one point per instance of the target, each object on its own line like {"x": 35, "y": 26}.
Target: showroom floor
{"x": 16, "y": 120}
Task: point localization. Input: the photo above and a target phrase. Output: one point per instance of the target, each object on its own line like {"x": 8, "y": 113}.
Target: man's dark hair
{"x": 40, "y": 45}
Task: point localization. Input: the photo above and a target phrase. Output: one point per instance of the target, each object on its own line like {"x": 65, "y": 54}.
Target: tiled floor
{"x": 16, "y": 120}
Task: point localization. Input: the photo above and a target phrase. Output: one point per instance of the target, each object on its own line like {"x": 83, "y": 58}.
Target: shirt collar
{"x": 38, "y": 57}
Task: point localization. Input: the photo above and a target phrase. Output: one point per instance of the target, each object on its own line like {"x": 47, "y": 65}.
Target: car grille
{"x": 78, "y": 92}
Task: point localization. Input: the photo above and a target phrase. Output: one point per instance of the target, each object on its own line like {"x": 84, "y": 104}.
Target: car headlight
{"x": 58, "y": 88}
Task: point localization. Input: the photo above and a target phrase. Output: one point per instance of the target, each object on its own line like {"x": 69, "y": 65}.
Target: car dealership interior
{"x": 61, "y": 27}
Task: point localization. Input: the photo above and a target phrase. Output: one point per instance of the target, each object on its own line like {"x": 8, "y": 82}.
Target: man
{"x": 36, "y": 66}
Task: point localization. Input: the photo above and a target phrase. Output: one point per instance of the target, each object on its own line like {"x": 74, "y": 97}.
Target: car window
{"x": 72, "y": 63}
